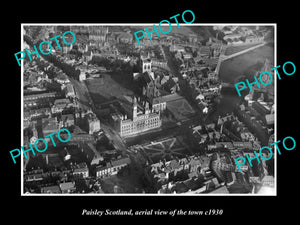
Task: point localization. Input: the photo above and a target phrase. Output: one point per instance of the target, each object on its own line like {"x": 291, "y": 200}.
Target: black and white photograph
{"x": 150, "y": 113}
{"x": 159, "y": 115}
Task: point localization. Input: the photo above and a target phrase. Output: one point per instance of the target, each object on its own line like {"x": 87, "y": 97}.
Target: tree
{"x": 80, "y": 185}
{"x": 54, "y": 86}
{"x": 194, "y": 54}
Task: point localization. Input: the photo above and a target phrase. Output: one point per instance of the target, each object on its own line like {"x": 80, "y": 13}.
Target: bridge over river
{"x": 224, "y": 57}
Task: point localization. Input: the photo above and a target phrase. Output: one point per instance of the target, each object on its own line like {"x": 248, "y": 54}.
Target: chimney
{"x": 134, "y": 108}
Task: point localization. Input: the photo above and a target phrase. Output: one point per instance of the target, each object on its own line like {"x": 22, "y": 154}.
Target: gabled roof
{"x": 180, "y": 188}
{"x": 145, "y": 78}
{"x": 61, "y": 101}
{"x": 121, "y": 161}
{"x": 174, "y": 164}
{"x": 169, "y": 84}
{"x": 49, "y": 124}
{"x": 204, "y": 49}
{"x": 66, "y": 186}
{"x": 220, "y": 190}
{"x": 81, "y": 167}
{"x": 269, "y": 118}
{"x": 194, "y": 162}
{"x": 62, "y": 76}
{"x": 193, "y": 184}
{"x": 118, "y": 162}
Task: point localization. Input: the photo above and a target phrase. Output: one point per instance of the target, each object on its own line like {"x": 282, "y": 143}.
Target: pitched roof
{"x": 49, "y": 124}
{"x": 204, "y": 50}
{"x": 114, "y": 163}
{"x": 145, "y": 78}
{"x": 195, "y": 162}
{"x": 66, "y": 186}
{"x": 82, "y": 167}
{"x": 193, "y": 184}
{"x": 50, "y": 189}
{"x": 180, "y": 188}
{"x": 121, "y": 161}
{"x": 62, "y": 101}
{"x": 269, "y": 118}
{"x": 175, "y": 163}
{"x": 169, "y": 84}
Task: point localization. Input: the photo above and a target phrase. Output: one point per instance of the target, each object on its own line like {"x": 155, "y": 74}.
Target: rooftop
{"x": 67, "y": 186}
{"x": 49, "y": 124}
{"x": 115, "y": 163}
{"x": 50, "y": 189}
{"x": 220, "y": 190}
{"x": 81, "y": 167}
{"x": 63, "y": 101}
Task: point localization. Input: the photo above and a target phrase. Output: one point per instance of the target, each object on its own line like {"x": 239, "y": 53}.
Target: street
{"x": 185, "y": 89}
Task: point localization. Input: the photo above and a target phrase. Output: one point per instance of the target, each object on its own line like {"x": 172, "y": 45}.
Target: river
{"x": 232, "y": 69}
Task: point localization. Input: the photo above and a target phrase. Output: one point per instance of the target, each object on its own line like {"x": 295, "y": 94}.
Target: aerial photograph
{"x": 156, "y": 116}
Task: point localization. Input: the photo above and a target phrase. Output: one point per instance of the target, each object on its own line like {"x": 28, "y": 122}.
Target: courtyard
{"x": 106, "y": 88}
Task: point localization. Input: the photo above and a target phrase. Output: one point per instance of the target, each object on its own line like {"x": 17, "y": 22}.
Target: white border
{"x": 149, "y": 24}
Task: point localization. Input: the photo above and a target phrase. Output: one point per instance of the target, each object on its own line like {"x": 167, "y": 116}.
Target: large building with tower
{"x": 148, "y": 82}
{"x": 134, "y": 116}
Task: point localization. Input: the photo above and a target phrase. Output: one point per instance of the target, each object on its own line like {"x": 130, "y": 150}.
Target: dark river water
{"x": 232, "y": 69}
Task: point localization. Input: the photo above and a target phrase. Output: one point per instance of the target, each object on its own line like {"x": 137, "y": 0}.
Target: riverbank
{"x": 234, "y": 69}
{"x": 245, "y": 64}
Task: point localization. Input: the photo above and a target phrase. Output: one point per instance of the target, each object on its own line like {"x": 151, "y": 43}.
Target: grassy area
{"x": 106, "y": 89}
